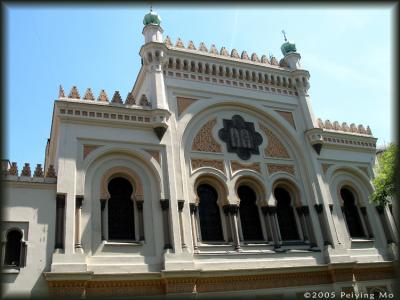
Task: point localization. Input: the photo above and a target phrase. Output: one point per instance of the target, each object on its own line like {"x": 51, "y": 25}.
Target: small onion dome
{"x": 152, "y": 18}
{"x": 288, "y": 47}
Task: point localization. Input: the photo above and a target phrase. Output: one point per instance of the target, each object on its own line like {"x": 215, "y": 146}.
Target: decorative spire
{"x": 51, "y": 173}
{"x": 191, "y": 46}
{"x": 74, "y": 93}
{"x": 244, "y": 55}
{"x": 284, "y": 35}
{"x": 213, "y": 49}
{"x": 168, "y": 41}
{"x": 179, "y": 43}
{"x": 224, "y": 52}
{"x": 152, "y": 18}
{"x": 61, "y": 93}
{"x": 234, "y": 53}
{"x": 103, "y": 96}
{"x": 287, "y": 47}
{"x": 254, "y": 57}
{"x": 13, "y": 171}
{"x": 203, "y": 47}
{"x": 130, "y": 99}
{"x": 88, "y": 95}
{"x": 144, "y": 101}
{"x": 116, "y": 98}
{"x": 26, "y": 170}
{"x": 38, "y": 171}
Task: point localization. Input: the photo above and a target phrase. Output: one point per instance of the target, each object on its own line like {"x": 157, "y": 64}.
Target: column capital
{"x": 305, "y": 209}
{"x": 139, "y": 204}
{"x": 264, "y": 210}
{"x": 181, "y": 203}
{"x": 271, "y": 210}
{"x": 193, "y": 207}
{"x": 233, "y": 209}
{"x": 103, "y": 203}
{"x": 318, "y": 208}
{"x": 164, "y": 204}
{"x": 363, "y": 210}
{"x": 225, "y": 208}
{"x": 60, "y": 199}
{"x": 79, "y": 201}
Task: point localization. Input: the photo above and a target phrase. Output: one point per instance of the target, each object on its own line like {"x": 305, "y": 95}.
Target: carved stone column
{"x": 306, "y": 212}
{"x": 267, "y": 223}
{"x": 193, "y": 209}
{"x": 60, "y": 222}
{"x": 303, "y": 225}
{"x": 103, "y": 227}
{"x": 229, "y": 223}
{"x": 366, "y": 221}
{"x": 139, "y": 206}
{"x": 233, "y": 210}
{"x": 274, "y": 226}
{"x": 181, "y": 204}
{"x": 382, "y": 217}
{"x": 322, "y": 222}
{"x": 78, "y": 213}
{"x": 165, "y": 207}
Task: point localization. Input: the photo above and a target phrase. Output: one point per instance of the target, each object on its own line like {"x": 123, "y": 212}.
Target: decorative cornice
{"x": 352, "y": 129}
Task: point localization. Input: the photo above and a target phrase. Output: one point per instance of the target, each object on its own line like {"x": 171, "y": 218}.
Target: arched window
{"x": 249, "y": 215}
{"x": 15, "y": 248}
{"x": 351, "y": 213}
{"x": 286, "y": 218}
{"x": 121, "y": 225}
{"x": 210, "y": 219}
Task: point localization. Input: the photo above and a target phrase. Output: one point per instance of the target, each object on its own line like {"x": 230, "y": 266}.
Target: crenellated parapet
{"x": 223, "y": 52}
{"x": 10, "y": 173}
{"x": 349, "y": 129}
{"x": 101, "y": 98}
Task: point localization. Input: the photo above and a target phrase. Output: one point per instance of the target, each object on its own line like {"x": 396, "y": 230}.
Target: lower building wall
{"x": 328, "y": 278}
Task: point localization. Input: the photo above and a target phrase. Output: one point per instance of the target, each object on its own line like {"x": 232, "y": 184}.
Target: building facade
{"x": 212, "y": 177}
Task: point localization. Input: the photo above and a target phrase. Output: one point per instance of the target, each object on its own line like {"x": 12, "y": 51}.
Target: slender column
{"x": 233, "y": 210}
{"x": 366, "y": 221}
{"x": 139, "y": 206}
{"x": 229, "y": 225}
{"x": 165, "y": 207}
{"x": 382, "y": 217}
{"x": 273, "y": 225}
{"x": 303, "y": 225}
{"x": 193, "y": 209}
{"x": 264, "y": 210}
{"x": 78, "y": 213}
{"x": 181, "y": 203}
{"x": 103, "y": 206}
{"x": 306, "y": 212}
{"x": 60, "y": 212}
{"x": 322, "y": 222}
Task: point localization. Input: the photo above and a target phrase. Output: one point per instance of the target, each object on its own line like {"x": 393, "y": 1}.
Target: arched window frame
{"x": 137, "y": 194}
{"x": 358, "y": 203}
{"x": 258, "y": 190}
{"x": 294, "y": 203}
{"x": 22, "y": 250}
{"x": 221, "y": 201}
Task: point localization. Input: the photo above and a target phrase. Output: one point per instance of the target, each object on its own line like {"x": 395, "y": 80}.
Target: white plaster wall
{"x": 35, "y": 204}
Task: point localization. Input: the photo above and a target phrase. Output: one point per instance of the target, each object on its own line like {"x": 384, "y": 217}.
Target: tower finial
{"x": 284, "y": 35}
{"x": 151, "y": 7}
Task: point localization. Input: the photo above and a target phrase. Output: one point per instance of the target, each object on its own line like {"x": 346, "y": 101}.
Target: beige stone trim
{"x": 274, "y": 148}
{"x": 155, "y": 154}
{"x": 288, "y": 116}
{"x": 204, "y": 140}
{"x": 325, "y": 167}
{"x": 183, "y": 103}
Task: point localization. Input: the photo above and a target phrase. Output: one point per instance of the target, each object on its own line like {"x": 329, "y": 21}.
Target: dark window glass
{"x": 13, "y": 248}
{"x": 121, "y": 225}
{"x": 210, "y": 219}
{"x": 351, "y": 214}
{"x": 249, "y": 216}
{"x": 285, "y": 214}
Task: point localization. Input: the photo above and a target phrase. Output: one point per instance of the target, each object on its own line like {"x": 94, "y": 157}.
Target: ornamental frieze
{"x": 238, "y": 166}
{"x": 274, "y": 168}
{"x": 213, "y": 163}
{"x": 274, "y": 148}
{"x": 240, "y": 137}
{"x": 204, "y": 140}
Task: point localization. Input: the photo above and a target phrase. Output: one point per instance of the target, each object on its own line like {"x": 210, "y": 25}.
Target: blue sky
{"x": 347, "y": 50}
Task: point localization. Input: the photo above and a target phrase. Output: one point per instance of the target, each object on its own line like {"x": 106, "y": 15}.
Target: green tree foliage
{"x": 385, "y": 180}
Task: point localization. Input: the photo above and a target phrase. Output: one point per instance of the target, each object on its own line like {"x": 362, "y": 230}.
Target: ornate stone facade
{"x": 274, "y": 168}
{"x": 236, "y": 166}
{"x": 213, "y": 163}
{"x": 288, "y": 116}
{"x": 89, "y": 148}
{"x": 274, "y": 146}
{"x": 204, "y": 140}
{"x": 183, "y": 103}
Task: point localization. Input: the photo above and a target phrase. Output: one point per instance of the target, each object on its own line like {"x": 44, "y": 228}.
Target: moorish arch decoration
{"x": 126, "y": 173}
{"x": 275, "y": 148}
{"x": 204, "y": 140}
{"x": 240, "y": 137}
{"x": 183, "y": 103}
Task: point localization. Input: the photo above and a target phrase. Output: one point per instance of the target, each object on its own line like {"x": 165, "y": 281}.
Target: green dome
{"x": 152, "y": 18}
{"x": 288, "y": 47}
